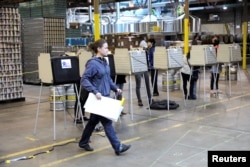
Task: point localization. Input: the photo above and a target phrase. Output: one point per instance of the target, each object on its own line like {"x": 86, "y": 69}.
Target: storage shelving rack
{"x": 11, "y": 82}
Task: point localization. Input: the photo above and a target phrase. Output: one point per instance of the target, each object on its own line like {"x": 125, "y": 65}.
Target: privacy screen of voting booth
{"x": 168, "y": 58}
{"x": 65, "y": 69}
{"x": 58, "y": 70}
{"x": 110, "y": 60}
{"x": 228, "y": 53}
{"x": 129, "y": 62}
{"x": 201, "y": 55}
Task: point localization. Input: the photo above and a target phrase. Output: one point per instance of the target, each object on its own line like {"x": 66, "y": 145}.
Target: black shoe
{"x": 191, "y": 98}
{"x": 78, "y": 121}
{"x": 123, "y": 113}
{"x": 85, "y": 118}
{"x": 87, "y": 147}
{"x": 123, "y": 148}
{"x": 155, "y": 94}
{"x": 140, "y": 103}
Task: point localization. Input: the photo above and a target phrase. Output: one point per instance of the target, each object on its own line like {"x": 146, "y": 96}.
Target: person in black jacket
{"x": 154, "y": 72}
{"x": 120, "y": 80}
{"x": 195, "y": 74}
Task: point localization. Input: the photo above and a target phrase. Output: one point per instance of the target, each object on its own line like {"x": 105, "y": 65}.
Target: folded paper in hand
{"x": 106, "y": 107}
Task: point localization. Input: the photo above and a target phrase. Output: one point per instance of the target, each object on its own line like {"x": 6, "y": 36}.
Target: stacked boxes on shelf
{"x": 123, "y": 40}
{"x": 43, "y": 8}
{"x": 11, "y": 83}
{"x": 43, "y": 28}
{"x": 38, "y": 36}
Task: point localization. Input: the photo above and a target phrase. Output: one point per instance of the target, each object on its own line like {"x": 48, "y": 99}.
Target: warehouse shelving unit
{"x": 11, "y": 82}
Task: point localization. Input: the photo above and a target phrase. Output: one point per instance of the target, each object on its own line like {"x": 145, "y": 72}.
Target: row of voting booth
{"x": 205, "y": 55}
{"x": 69, "y": 68}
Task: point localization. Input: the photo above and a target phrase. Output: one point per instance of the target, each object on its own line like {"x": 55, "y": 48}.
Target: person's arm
{"x": 151, "y": 57}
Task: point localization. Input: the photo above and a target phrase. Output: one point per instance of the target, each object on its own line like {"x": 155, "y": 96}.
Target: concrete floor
{"x": 175, "y": 138}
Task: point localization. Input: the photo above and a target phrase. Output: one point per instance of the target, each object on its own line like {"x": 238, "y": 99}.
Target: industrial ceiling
{"x": 192, "y": 3}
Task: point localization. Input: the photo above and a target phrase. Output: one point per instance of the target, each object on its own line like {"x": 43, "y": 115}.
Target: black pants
{"x": 214, "y": 80}
{"x": 185, "y": 79}
{"x": 154, "y": 80}
{"x": 108, "y": 128}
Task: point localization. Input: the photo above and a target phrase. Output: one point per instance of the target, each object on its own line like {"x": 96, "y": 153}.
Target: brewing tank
{"x": 194, "y": 24}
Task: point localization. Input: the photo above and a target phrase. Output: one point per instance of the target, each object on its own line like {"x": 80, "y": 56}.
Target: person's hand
{"x": 98, "y": 96}
{"x": 119, "y": 91}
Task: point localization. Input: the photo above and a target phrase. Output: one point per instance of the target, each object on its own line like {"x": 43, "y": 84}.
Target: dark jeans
{"x": 193, "y": 86}
{"x": 154, "y": 73}
{"x": 108, "y": 128}
{"x": 138, "y": 85}
{"x": 185, "y": 79}
{"x": 214, "y": 80}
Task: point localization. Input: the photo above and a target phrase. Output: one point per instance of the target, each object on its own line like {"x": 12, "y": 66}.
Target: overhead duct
{"x": 194, "y": 24}
{"x": 149, "y": 17}
{"x": 217, "y": 7}
{"x": 176, "y": 25}
{"x": 121, "y": 26}
{"x": 148, "y": 23}
{"x": 107, "y": 26}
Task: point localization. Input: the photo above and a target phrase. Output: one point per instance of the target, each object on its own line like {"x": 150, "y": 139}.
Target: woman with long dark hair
{"x": 96, "y": 79}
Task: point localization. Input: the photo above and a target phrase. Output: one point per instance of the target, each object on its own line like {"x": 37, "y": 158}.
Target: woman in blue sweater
{"x": 96, "y": 79}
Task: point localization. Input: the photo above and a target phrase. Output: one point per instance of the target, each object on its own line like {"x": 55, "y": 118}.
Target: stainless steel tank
{"x": 121, "y": 27}
{"x": 147, "y": 26}
{"x": 107, "y": 28}
{"x": 169, "y": 26}
{"x": 194, "y": 24}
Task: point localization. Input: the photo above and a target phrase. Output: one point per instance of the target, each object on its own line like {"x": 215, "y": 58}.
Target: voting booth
{"x": 57, "y": 71}
{"x": 229, "y": 53}
{"x": 166, "y": 59}
{"x": 65, "y": 69}
{"x": 111, "y": 62}
{"x": 83, "y": 56}
{"x": 202, "y": 55}
{"x": 129, "y": 63}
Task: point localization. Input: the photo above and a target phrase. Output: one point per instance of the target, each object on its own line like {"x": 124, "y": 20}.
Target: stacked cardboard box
{"x": 11, "y": 82}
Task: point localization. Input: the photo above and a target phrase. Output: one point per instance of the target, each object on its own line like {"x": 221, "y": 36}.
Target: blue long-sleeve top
{"x": 96, "y": 77}
{"x": 150, "y": 54}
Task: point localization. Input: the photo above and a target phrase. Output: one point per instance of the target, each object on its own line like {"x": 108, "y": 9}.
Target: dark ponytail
{"x": 93, "y": 46}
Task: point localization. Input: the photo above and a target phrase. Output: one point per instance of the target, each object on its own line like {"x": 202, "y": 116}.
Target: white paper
{"x": 106, "y": 107}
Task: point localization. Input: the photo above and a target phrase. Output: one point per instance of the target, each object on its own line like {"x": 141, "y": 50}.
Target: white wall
{"x": 217, "y": 28}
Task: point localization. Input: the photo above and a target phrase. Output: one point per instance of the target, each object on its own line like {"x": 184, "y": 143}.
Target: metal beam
{"x": 11, "y": 2}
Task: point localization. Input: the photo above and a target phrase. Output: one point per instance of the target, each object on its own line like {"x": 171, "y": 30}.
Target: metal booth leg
{"x": 38, "y": 108}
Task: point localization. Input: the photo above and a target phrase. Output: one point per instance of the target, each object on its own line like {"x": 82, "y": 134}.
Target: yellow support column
{"x": 186, "y": 34}
{"x": 244, "y": 31}
{"x": 244, "y": 47}
{"x": 96, "y": 20}
{"x": 186, "y": 27}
